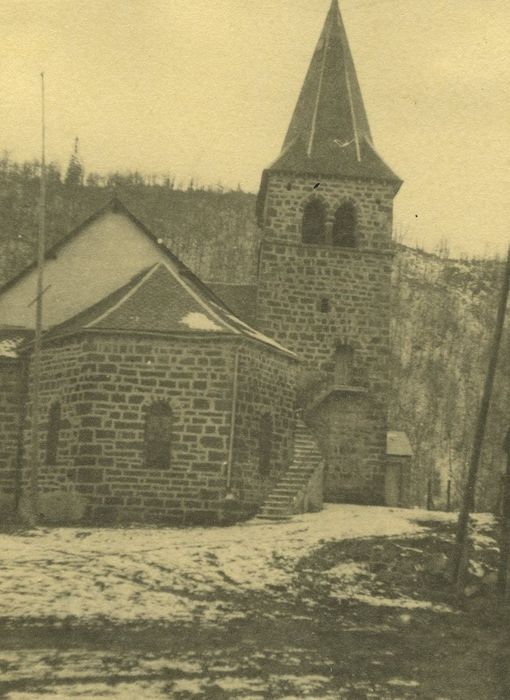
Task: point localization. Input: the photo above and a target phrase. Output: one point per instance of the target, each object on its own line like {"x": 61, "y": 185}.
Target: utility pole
{"x": 459, "y": 560}
{"x": 504, "y": 542}
{"x": 36, "y": 355}
{"x": 450, "y": 475}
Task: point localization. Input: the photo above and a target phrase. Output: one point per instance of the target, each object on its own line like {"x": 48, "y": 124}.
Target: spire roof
{"x": 329, "y": 132}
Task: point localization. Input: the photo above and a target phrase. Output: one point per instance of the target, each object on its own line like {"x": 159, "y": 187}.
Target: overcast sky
{"x": 207, "y": 88}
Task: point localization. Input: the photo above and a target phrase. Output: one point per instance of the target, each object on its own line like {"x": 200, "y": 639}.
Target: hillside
{"x": 443, "y": 320}
{"x": 443, "y": 309}
{"x": 213, "y": 231}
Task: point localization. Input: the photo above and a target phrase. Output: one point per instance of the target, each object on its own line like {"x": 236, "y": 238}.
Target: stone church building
{"x": 161, "y": 400}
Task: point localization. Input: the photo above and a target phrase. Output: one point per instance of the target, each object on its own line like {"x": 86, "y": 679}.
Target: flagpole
{"x": 36, "y": 356}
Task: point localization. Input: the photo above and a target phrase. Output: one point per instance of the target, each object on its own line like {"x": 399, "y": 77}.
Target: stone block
{"x": 210, "y": 441}
{"x": 89, "y": 475}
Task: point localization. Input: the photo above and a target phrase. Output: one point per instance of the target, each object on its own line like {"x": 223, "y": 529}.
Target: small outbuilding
{"x": 397, "y": 484}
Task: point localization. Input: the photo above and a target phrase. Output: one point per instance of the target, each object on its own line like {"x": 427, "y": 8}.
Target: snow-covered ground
{"x": 177, "y": 574}
{"x": 311, "y": 608}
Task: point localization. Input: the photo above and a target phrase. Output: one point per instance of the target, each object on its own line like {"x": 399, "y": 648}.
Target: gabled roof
{"x": 113, "y": 205}
{"x": 160, "y": 300}
{"x": 162, "y": 252}
{"x": 164, "y": 297}
{"x": 329, "y": 132}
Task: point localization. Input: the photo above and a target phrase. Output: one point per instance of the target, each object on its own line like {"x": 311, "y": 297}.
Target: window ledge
{"x": 345, "y": 389}
{"x": 330, "y": 245}
{"x": 348, "y": 389}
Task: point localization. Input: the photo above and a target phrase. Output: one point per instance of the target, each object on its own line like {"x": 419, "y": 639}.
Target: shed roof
{"x": 397, "y": 444}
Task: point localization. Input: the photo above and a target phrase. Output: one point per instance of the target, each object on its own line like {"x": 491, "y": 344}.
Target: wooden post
{"x": 233, "y": 421}
{"x": 36, "y": 355}
{"x": 460, "y": 552}
{"x": 430, "y": 501}
{"x": 504, "y": 542}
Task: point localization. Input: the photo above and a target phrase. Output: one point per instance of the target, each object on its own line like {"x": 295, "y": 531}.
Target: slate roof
{"x": 328, "y": 158}
{"x": 241, "y": 298}
{"x": 329, "y": 133}
{"x": 165, "y": 298}
{"x": 161, "y": 299}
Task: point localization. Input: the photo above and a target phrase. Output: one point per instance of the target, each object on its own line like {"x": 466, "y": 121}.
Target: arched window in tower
{"x": 344, "y": 360}
{"x": 314, "y": 223}
{"x": 53, "y": 433}
{"x": 265, "y": 443}
{"x": 344, "y": 226}
{"x": 158, "y": 436}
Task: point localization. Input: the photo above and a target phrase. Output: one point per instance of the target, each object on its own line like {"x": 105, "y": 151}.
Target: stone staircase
{"x": 300, "y": 489}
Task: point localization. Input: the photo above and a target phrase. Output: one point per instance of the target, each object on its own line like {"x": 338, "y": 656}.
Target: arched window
{"x": 344, "y": 226}
{"x": 53, "y": 433}
{"x": 158, "y": 436}
{"x": 314, "y": 222}
{"x": 265, "y": 443}
{"x": 344, "y": 359}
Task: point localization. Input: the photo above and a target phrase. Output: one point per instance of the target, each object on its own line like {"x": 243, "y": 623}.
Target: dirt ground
{"x": 311, "y": 635}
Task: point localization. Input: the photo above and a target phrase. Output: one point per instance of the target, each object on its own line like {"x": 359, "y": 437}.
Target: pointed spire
{"x": 329, "y": 131}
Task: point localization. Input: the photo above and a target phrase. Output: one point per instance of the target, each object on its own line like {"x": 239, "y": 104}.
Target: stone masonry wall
{"x": 287, "y": 196}
{"x": 353, "y": 436}
{"x": 294, "y": 278}
{"x": 266, "y": 385}
{"x": 295, "y": 281}
{"x": 60, "y": 381}
{"x": 10, "y": 404}
{"x": 104, "y": 385}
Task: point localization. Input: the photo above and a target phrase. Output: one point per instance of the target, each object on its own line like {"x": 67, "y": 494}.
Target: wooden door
{"x": 392, "y": 485}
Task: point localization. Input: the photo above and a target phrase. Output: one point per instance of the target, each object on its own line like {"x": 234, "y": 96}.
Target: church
{"x": 162, "y": 399}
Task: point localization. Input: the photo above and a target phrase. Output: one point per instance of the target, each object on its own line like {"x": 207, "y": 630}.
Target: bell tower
{"x": 325, "y": 209}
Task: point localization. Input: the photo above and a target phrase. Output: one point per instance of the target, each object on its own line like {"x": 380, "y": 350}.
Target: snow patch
{"x": 177, "y": 574}
{"x": 199, "y": 322}
{"x": 9, "y": 347}
{"x": 187, "y": 685}
{"x": 400, "y": 682}
{"x": 349, "y": 571}
{"x": 402, "y": 602}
